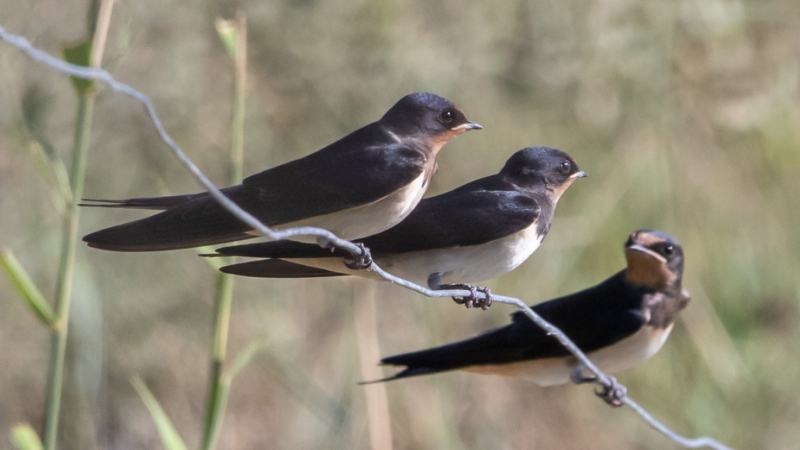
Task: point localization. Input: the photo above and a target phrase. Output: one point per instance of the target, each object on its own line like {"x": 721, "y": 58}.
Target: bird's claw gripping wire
{"x": 362, "y": 261}
{"x": 614, "y": 393}
{"x": 472, "y": 300}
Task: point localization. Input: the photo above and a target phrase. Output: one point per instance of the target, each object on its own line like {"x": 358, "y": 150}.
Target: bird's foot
{"x": 362, "y": 261}
{"x": 614, "y": 394}
{"x": 471, "y": 300}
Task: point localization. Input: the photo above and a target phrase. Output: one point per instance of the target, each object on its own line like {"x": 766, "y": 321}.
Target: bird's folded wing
{"x": 466, "y": 216}
{"x": 525, "y": 341}
{"x": 593, "y": 318}
{"x": 334, "y": 179}
{"x": 324, "y": 182}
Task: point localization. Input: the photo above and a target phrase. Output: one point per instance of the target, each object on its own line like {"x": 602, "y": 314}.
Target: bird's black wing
{"x": 348, "y": 173}
{"x": 280, "y": 249}
{"x": 157, "y": 203}
{"x": 476, "y": 213}
{"x": 197, "y": 222}
{"x": 361, "y": 168}
{"x": 591, "y": 318}
{"x": 276, "y": 268}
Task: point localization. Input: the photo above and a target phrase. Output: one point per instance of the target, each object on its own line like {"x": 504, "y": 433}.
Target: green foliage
{"x": 229, "y": 34}
{"x": 169, "y": 436}
{"x": 243, "y": 359}
{"x": 232, "y": 34}
{"x": 25, "y": 438}
{"x": 52, "y": 170}
{"x": 81, "y": 55}
{"x": 26, "y": 289}
{"x": 36, "y": 111}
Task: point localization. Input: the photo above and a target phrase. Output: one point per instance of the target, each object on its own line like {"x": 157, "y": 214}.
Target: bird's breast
{"x": 467, "y": 264}
{"x": 632, "y": 350}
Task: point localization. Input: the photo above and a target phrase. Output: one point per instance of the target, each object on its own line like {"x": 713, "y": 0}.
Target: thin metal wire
{"x": 102, "y": 75}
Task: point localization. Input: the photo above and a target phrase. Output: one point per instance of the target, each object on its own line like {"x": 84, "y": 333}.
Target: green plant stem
{"x": 237, "y": 138}
{"x": 219, "y": 384}
{"x": 217, "y": 396}
{"x": 66, "y": 268}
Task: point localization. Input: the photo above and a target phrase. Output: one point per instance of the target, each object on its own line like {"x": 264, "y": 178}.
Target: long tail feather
{"x": 277, "y": 268}
{"x": 483, "y": 349}
{"x": 281, "y": 249}
{"x": 156, "y": 203}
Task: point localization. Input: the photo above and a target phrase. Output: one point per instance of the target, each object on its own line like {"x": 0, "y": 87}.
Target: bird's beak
{"x": 580, "y": 174}
{"x": 647, "y": 268}
{"x": 638, "y": 250}
{"x": 468, "y": 126}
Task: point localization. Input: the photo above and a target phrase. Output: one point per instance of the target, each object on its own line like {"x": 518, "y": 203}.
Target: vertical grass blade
{"x": 169, "y": 436}
{"x": 218, "y": 390}
{"x": 22, "y": 285}
{"x": 234, "y": 37}
{"x": 69, "y": 238}
{"x": 365, "y": 318}
{"x": 80, "y": 55}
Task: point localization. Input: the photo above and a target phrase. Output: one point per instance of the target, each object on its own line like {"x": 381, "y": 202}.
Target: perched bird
{"x": 619, "y": 323}
{"x": 478, "y": 231}
{"x": 362, "y": 184}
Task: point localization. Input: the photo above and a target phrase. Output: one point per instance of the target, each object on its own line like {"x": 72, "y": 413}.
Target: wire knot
{"x": 614, "y": 393}
{"x": 362, "y": 261}
{"x": 472, "y": 300}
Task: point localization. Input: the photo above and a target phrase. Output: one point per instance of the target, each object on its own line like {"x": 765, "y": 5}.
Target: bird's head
{"x": 427, "y": 116}
{"x": 543, "y": 165}
{"x": 655, "y": 260}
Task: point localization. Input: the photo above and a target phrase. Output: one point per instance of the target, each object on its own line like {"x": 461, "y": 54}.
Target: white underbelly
{"x": 623, "y": 355}
{"x": 369, "y": 219}
{"x": 456, "y": 265}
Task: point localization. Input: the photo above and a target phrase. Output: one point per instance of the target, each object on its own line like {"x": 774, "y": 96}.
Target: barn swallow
{"x": 478, "y": 231}
{"x": 618, "y": 324}
{"x": 362, "y": 184}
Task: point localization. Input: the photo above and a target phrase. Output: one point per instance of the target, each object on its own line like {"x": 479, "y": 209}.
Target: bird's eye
{"x": 447, "y": 116}
{"x": 669, "y": 250}
{"x": 565, "y": 166}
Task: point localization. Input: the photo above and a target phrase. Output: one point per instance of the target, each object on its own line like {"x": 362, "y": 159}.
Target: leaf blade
{"x": 169, "y": 436}
{"x": 80, "y": 55}
{"x": 52, "y": 170}
{"x": 25, "y": 288}
{"x": 24, "y": 438}
{"x": 229, "y": 35}
{"x": 243, "y": 359}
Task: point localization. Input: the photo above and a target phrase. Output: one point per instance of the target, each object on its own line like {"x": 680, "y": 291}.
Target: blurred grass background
{"x": 685, "y": 114}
